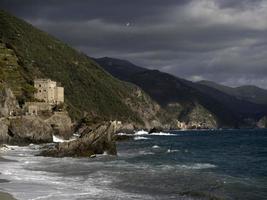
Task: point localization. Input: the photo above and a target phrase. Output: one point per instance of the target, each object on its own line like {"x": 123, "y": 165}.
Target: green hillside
{"x": 182, "y": 98}
{"x": 88, "y": 88}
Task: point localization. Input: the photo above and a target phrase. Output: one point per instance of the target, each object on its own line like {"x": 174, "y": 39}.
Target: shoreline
{"x": 6, "y": 196}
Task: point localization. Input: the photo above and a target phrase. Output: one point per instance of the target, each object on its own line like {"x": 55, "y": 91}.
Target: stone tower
{"x": 48, "y": 91}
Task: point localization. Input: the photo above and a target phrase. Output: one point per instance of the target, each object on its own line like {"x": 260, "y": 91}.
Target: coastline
{"x": 6, "y": 196}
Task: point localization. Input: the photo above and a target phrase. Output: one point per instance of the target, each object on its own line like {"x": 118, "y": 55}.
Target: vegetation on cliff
{"x": 89, "y": 90}
{"x": 183, "y": 99}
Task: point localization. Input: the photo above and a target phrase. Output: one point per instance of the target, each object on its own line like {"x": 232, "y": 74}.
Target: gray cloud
{"x": 219, "y": 40}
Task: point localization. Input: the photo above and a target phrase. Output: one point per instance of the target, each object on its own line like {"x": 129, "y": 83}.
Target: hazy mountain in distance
{"x": 247, "y": 92}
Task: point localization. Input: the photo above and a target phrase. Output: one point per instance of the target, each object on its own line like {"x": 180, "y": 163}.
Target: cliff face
{"x": 27, "y": 129}
{"x": 8, "y": 102}
{"x": 199, "y": 117}
{"x": 61, "y": 124}
{"x": 147, "y": 109}
{"x": 89, "y": 90}
{"x": 167, "y": 90}
{"x": 30, "y": 129}
{"x": 16, "y": 128}
{"x": 4, "y": 136}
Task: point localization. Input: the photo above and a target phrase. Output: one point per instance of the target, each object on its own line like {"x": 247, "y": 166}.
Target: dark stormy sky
{"x": 220, "y": 40}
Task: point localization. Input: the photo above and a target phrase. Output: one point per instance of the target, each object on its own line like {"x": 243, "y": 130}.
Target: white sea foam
{"x": 155, "y": 147}
{"x": 197, "y": 166}
{"x": 122, "y": 134}
{"x": 30, "y": 181}
{"x": 142, "y": 132}
{"x": 164, "y": 134}
{"x": 140, "y": 138}
{"x": 4, "y": 149}
{"x": 146, "y": 153}
{"x": 60, "y": 140}
{"x": 172, "y": 150}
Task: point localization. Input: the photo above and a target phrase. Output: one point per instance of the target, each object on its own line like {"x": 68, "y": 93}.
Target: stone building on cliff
{"x": 48, "y": 91}
{"x": 48, "y": 94}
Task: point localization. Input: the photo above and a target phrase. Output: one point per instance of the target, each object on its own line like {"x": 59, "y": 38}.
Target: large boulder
{"x": 96, "y": 139}
{"x": 29, "y": 129}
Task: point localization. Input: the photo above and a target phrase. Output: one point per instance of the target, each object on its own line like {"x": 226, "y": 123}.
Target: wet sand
{"x": 5, "y": 196}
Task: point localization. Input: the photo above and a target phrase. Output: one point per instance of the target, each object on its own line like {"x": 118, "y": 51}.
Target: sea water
{"x": 230, "y": 164}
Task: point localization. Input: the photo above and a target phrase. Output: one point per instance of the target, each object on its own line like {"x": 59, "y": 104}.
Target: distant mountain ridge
{"x": 166, "y": 89}
{"x": 247, "y": 92}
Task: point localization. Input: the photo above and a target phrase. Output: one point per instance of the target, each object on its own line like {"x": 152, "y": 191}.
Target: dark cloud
{"x": 220, "y": 40}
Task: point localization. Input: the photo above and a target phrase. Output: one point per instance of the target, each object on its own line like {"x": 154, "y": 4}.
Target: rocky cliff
{"x": 61, "y": 124}
{"x": 8, "y": 102}
{"x": 168, "y": 91}
{"x": 29, "y": 129}
{"x": 95, "y": 139}
{"x": 17, "y": 128}
{"x": 89, "y": 90}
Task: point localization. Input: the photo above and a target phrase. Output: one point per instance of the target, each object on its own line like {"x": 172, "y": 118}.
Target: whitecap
{"x": 140, "y": 138}
{"x": 60, "y": 140}
{"x": 172, "y": 150}
{"x": 141, "y": 132}
{"x": 197, "y": 166}
{"x": 155, "y": 147}
{"x": 164, "y": 134}
{"x": 122, "y": 134}
{"x": 146, "y": 153}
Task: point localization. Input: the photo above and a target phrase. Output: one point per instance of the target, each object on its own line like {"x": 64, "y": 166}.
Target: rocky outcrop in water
{"x": 95, "y": 139}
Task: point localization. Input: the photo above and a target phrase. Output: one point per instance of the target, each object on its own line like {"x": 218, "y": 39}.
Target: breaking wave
{"x": 197, "y": 166}
{"x": 140, "y": 138}
{"x": 142, "y": 132}
{"x": 57, "y": 139}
